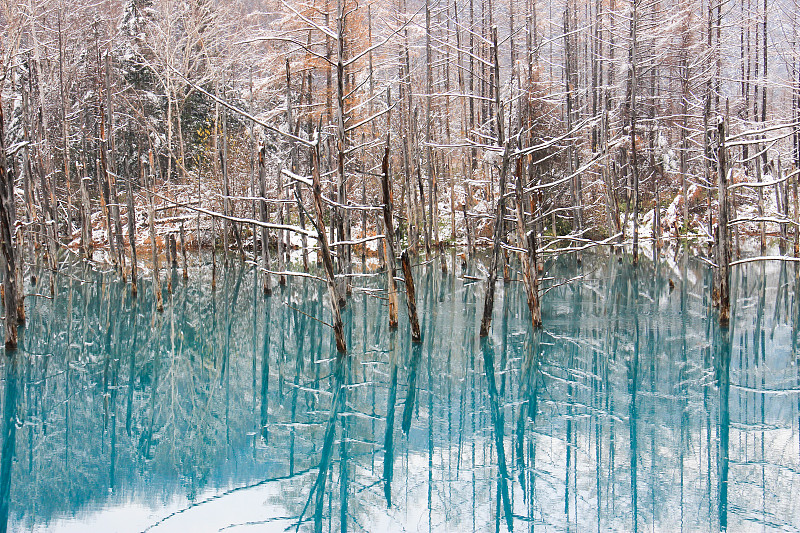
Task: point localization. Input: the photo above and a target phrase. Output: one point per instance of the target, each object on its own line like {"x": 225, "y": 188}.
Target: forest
{"x": 159, "y": 151}
{"x": 529, "y": 128}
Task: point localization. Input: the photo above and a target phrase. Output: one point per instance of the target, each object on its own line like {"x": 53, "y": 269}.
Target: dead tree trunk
{"x": 173, "y": 251}
{"x": 108, "y": 152}
{"x": 153, "y": 244}
{"x": 429, "y": 168}
{"x": 105, "y": 187}
{"x": 761, "y": 211}
{"x": 388, "y": 249}
{"x": 168, "y": 261}
{"x": 86, "y": 219}
{"x": 529, "y": 274}
{"x": 796, "y": 217}
{"x": 281, "y": 233}
{"x": 183, "y": 252}
{"x": 632, "y": 86}
{"x": 10, "y": 281}
{"x": 213, "y": 253}
{"x": 338, "y": 328}
{"x": 411, "y": 297}
{"x": 132, "y": 238}
{"x": 226, "y": 189}
{"x": 294, "y": 127}
{"x": 46, "y": 176}
{"x": 302, "y": 216}
{"x": 488, "y": 303}
{"x": 342, "y": 216}
{"x": 723, "y": 246}
{"x": 470, "y": 240}
{"x": 262, "y": 208}
{"x": 20, "y": 280}
{"x": 782, "y": 201}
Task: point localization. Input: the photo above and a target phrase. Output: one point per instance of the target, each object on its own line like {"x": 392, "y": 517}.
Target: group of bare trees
{"x": 537, "y": 127}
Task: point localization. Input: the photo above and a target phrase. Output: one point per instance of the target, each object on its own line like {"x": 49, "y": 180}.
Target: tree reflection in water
{"x": 629, "y": 410}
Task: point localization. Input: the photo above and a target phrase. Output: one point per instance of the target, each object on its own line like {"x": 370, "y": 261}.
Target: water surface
{"x": 629, "y": 410}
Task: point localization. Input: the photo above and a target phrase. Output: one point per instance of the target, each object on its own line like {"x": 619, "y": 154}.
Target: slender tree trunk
{"x": 281, "y": 238}
{"x": 761, "y": 226}
{"x": 293, "y": 129}
{"x": 388, "y": 248}
{"x": 226, "y": 186}
{"x": 169, "y": 262}
{"x": 266, "y": 279}
{"x": 723, "y": 257}
{"x": 153, "y": 243}
{"x": 796, "y": 217}
{"x": 684, "y": 69}
{"x": 86, "y": 219}
{"x": 338, "y": 328}
{"x": 132, "y": 238}
{"x": 213, "y": 253}
{"x": 632, "y": 88}
{"x": 343, "y": 217}
{"x": 64, "y": 123}
{"x": 428, "y": 138}
{"x": 43, "y": 148}
{"x": 528, "y": 258}
{"x": 105, "y": 185}
{"x": 110, "y": 165}
{"x": 420, "y": 202}
{"x": 783, "y": 206}
{"x": 500, "y": 214}
{"x": 447, "y": 85}
{"x": 183, "y": 252}
{"x": 571, "y": 79}
{"x": 173, "y": 251}
{"x": 170, "y": 116}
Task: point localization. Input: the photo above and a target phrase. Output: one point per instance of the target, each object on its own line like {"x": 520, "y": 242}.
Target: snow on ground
{"x": 197, "y": 227}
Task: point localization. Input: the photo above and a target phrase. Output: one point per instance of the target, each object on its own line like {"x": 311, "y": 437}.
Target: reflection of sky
{"x": 215, "y": 515}
{"x": 197, "y": 435}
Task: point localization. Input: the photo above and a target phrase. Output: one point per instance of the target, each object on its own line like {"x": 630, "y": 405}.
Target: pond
{"x": 629, "y": 410}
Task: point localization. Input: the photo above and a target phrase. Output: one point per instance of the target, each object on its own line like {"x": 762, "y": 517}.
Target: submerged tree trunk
{"x": 266, "y": 282}
{"x": 342, "y": 216}
{"x": 183, "y": 252}
{"x": 488, "y": 304}
{"x": 632, "y": 88}
{"x": 388, "y": 241}
{"x": 723, "y": 246}
{"x": 108, "y": 153}
{"x": 86, "y": 219}
{"x": 528, "y": 257}
{"x": 153, "y": 243}
{"x": 19, "y": 279}
{"x": 10, "y": 281}
{"x": 281, "y": 251}
{"x": 411, "y": 297}
{"x": 106, "y": 202}
{"x": 796, "y": 216}
{"x": 338, "y": 328}
{"x": 500, "y": 214}
{"x": 132, "y": 238}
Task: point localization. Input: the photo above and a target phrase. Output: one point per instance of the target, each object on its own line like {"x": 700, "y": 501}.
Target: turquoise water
{"x": 629, "y": 410}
